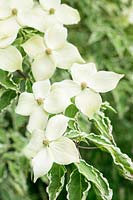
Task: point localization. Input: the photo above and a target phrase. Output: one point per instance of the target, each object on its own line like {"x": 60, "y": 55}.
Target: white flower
{"x": 42, "y": 101}
{"x": 57, "y": 13}
{"x": 51, "y": 146}
{"x": 87, "y": 84}
{"x": 34, "y": 17}
{"x": 9, "y": 19}
{"x": 10, "y": 59}
{"x": 51, "y": 52}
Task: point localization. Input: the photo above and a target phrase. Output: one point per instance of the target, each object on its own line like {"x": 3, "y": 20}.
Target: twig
{"x": 88, "y": 148}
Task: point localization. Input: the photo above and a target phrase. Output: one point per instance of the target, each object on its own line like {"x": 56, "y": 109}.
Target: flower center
{"x": 14, "y": 11}
{"x": 46, "y": 143}
{"x": 52, "y": 11}
{"x": 48, "y": 51}
{"x": 83, "y": 85}
{"x": 40, "y": 101}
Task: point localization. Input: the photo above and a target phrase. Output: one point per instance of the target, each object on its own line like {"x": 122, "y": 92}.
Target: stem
{"x": 88, "y": 148}
{"x": 21, "y": 74}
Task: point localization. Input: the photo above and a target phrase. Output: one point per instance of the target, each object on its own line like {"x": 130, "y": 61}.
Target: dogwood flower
{"x": 87, "y": 84}
{"x": 9, "y": 19}
{"x": 57, "y": 13}
{"x": 51, "y": 146}
{"x": 35, "y": 17}
{"x": 10, "y": 59}
{"x": 42, "y": 101}
{"x": 50, "y": 52}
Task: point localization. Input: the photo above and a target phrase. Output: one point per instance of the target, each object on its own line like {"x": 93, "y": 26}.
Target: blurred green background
{"x": 104, "y": 36}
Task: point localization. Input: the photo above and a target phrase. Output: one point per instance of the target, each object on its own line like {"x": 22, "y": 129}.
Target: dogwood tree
{"x": 33, "y": 45}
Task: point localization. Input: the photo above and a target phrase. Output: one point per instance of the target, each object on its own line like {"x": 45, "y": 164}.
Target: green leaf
{"x": 122, "y": 161}
{"x": 6, "y": 81}
{"x": 100, "y": 184}
{"x": 96, "y": 36}
{"x": 80, "y": 192}
{"x": 71, "y": 111}
{"x": 3, "y": 137}
{"x": 28, "y": 85}
{"x": 25, "y": 34}
{"x": 103, "y": 125}
{"x": 83, "y": 123}
{"x": 56, "y": 177}
{"x": 117, "y": 41}
{"x": 6, "y": 99}
{"x": 3, "y": 172}
{"x": 72, "y": 124}
{"x": 73, "y": 134}
{"x": 106, "y": 106}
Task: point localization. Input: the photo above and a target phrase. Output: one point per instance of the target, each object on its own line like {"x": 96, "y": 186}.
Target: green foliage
{"x": 100, "y": 184}
{"x": 77, "y": 187}
{"x": 122, "y": 161}
{"x": 6, "y": 99}
{"x": 6, "y": 80}
{"x": 71, "y": 111}
{"x": 56, "y": 181}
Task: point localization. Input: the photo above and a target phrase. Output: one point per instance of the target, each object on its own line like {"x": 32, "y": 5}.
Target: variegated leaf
{"x": 100, "y": 183}
{"x": 56, "y": 178}
{"x": 121, "y": 160}
{"x": 80, "y": 192}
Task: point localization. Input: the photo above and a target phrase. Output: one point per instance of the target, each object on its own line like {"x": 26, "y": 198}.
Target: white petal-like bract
{"x": 43, "y": 68}
{"x": 82, "y": 72}
{"x": 55, "y": 37}
{"x": 34, "y": 46}
{"x": 42, "y": 163}
{"x": 26, "y": 104}
{"x": 10, "y": 59}
{"x": 104, "y": 81}
{"x": 57, "y": 101}
{"x": 48, "y": 4}
{"x": 5, "y": 10}
{"x": 41, "y": 89}
{"x": 64, "y": 151}
{"x": 69, "y": 87}
{"x": 8, "y": 31}
{"x": 35, "y": 144}
{"x": 33, "y": 18}
{"x": 7, "y": 40}
{"x": 37, "y": 120}
{"x": 56, "y": 127}
{"x": 88, "y": 102}
{"x": 21, "y": 5}
{"x": 67, "y": 15}
{"x": 67, "y": 56}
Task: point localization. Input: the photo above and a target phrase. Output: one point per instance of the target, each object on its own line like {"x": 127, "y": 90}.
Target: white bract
{"x": 34, "y": 17}
{"x": 42, "y": 101}
{"x": 51, "y": 146}
{"x": 50, "y": 52}
{"x": 9, "y": 19}
{"x": 57, "y": 13}
{"x": 10, "y": 59}
{"x": 87, "y": 84}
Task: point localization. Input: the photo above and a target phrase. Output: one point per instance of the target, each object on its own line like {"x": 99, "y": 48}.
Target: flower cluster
{"x": 46, "y": 105}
